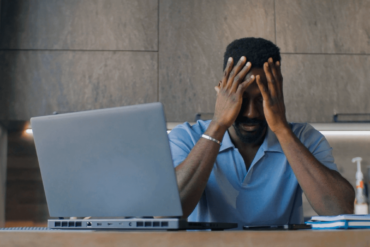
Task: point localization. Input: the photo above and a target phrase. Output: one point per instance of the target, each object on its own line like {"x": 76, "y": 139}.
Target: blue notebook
{"x": 344, "y": 221}
{"x": 340, "y": 224}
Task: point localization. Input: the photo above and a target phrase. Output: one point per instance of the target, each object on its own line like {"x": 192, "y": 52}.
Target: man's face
{"x": 250, "y": 125}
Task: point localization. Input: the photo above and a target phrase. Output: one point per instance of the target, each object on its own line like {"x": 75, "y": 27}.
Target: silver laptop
{"x": 110, "y": 163}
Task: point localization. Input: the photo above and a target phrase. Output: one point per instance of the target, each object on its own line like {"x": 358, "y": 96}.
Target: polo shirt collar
{"x": 226, "y": 142}
{"x": 270, "y": 144}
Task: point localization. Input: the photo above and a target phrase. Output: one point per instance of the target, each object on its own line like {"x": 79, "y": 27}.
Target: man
{"x": 248, "y": 164}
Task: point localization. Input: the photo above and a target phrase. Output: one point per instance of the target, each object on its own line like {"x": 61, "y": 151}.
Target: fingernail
{"x": 242, "y": 58}
{"x": 252, "y": 76}
{"x": 230, "y": 59}
{"x": 248, "y": 64}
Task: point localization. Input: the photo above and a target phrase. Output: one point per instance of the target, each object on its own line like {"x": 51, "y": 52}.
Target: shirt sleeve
{"x": 317, "y": 145}
{"x": 181, "y": 144}
{"x": 182, "y": 140}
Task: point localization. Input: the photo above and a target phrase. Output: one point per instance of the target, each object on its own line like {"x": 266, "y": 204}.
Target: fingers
{"x": 273, "y": 69}
{"x": 279, "y": 76}
{"x": 263, "y": 88}
{"x": 227, "y": 70}
{"x": 271, "y": 82}
{"x": 240, "y": 76}
{"x": 277, "y": 82}
{"x": 234, "y": 73}
{"x": 244, "y": 85}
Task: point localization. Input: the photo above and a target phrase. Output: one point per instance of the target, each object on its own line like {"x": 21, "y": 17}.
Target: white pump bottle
{"x": 361, "y": 206}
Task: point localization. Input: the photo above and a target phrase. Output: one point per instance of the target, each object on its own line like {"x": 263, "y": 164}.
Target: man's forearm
{"x": 193, "y": 173}
{"x": 327, "y": 191}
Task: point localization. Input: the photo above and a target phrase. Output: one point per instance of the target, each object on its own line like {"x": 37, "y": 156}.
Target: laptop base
{"x": 136, "y": 224}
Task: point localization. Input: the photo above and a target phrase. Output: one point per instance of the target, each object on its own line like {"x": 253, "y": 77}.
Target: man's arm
{"x": 193, "y": 173}
{"x": 327, "y": 191}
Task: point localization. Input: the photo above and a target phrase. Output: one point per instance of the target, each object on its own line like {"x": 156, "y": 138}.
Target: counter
{"x": 295, "y": 238}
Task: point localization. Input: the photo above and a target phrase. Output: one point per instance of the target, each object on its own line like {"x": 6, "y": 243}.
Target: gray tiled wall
{"x": 80, "y": 24}
{"x": 316, "y": 86}
{"x": 41, "y": 82}
{"x": 73, "y": 55}
{"x": 324, "y": 45}
{"x": 193, "y": 36}
{"x": 323, "y": 26}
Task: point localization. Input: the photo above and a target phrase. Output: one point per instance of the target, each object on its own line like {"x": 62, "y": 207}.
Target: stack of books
{"x": 344, "y": 221}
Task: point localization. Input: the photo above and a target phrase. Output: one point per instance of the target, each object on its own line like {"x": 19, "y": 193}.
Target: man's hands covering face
{"x": 273, "y": 99}
{"x": 230, "y": 92}
{"x": 233, "y": 84}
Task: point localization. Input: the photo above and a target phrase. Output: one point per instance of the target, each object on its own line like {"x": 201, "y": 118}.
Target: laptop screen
{"x": 112, "y": 162}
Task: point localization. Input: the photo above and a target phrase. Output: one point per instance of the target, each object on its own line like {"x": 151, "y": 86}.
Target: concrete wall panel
{"x": 318, "y": 86}
{"x": 80, "y": 24}
{"x": 323, "y": 26}
{"x": 193, "y": 37}
{"x": 41, "y": 82}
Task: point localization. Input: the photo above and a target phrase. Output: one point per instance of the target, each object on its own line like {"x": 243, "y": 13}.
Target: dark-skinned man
{"x": 248, "y": 164}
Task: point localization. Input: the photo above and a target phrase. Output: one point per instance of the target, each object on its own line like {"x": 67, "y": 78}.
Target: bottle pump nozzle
{"x": 359, "y": 175}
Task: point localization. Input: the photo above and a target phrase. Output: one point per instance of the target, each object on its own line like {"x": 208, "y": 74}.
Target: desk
{"x": 310, "y": 238}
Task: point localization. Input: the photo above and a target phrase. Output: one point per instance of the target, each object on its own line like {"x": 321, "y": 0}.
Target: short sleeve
{"x": 181, "y": 143}
{"x": 317, "y": 145}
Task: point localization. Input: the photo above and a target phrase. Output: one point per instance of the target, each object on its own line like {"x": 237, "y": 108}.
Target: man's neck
{"x": 247, "y": 150}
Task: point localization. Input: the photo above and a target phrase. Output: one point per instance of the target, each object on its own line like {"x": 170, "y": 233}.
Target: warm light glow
{"x": 29, "y": 131}
{"x": 346, "y": 133}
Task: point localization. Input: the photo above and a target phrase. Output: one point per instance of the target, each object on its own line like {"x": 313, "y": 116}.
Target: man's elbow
{"x": 347, "y": 205}
{"x": 339, "y": 204}
{"x": 349, "y": 208}
{"x": 350, "y": 199}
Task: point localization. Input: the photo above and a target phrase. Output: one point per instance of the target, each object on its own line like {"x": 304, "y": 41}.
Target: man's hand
{"x": 230, "y": 92}
{"x": 327, "y": 191}
{"x": 273, "y": 99}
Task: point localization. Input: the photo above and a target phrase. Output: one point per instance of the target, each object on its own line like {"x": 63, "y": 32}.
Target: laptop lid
{"x": 107, "y": 163}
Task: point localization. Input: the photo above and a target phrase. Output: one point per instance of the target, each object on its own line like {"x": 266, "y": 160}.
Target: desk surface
{"x": 224, "y": 238}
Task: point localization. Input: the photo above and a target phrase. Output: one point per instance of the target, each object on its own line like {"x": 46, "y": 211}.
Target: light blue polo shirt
{"x": 267, "y": 194}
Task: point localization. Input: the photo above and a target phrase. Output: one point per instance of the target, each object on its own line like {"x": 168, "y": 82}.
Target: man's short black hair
{"x": 256, "y": 50}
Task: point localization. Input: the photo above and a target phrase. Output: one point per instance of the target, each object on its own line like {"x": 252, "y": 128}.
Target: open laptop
{"x": 113, "y": 162}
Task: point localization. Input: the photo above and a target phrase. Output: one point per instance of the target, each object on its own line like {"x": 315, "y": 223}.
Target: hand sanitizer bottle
{"x": 361, "y": 206}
